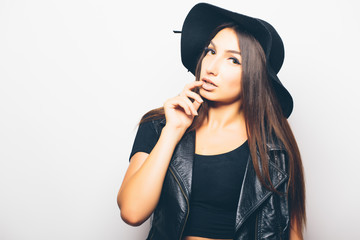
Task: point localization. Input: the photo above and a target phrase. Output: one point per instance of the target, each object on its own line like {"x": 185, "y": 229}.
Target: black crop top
{"x": 216, "y": 186}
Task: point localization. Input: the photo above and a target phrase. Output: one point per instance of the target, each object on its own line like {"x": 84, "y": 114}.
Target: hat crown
{"x": 203, "y": 18}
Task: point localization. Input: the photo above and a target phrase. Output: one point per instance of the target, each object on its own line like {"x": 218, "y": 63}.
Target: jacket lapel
{"x": 182, "y": 161}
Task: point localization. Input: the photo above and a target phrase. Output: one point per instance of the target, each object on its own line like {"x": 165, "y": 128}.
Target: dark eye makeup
{"x": 235, "y": 61}
{"x": 212, "y": 52}
{"x": 207, "y": 50}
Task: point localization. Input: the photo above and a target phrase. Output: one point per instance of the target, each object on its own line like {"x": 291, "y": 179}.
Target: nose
{"x": 212, "y": 66}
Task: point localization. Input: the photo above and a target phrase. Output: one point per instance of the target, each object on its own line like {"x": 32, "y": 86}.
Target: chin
{"x": 211, "y": 96}
{"x": 216, "y": 100}
{"x": 206, "y": 95}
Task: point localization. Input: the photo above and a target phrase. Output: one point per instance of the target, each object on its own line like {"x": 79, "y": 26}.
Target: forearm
{"x": 140, "y": 193}
{"x": 295, "y": 233}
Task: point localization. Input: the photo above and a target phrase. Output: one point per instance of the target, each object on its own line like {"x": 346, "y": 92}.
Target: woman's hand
{"x": 180, "y": 110}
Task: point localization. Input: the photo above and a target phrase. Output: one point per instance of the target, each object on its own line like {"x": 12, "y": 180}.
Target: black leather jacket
{"x": 261, "y": 214}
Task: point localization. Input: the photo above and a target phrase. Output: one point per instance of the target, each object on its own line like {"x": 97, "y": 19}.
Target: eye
{"x": 209, "y": 51}
{"x": 235, "y": 61}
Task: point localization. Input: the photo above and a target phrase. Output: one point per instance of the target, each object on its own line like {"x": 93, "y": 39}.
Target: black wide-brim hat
{"x": 202, "y": 20}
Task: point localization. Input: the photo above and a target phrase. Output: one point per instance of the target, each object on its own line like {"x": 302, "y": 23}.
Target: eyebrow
{"x": 231, "y": 51}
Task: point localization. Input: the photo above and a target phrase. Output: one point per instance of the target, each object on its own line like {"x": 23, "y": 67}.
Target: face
{"x": 221, "y": 69}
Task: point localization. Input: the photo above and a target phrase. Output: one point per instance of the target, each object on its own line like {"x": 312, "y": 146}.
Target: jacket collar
{"x": 252, "y": 194}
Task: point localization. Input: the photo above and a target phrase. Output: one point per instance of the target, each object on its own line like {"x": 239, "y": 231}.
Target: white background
{"x": 76, "y": 76}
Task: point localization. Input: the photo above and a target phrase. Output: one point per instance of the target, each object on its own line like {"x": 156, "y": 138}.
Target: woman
{"x": 219, "y": 161}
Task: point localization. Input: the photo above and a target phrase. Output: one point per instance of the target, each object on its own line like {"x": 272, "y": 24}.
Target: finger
{"x": 193, "y": 85}
{"x": 193, "y": 95}
{"x": 178, "y": 103}
{"x": 191, "y": 106}
{"x": 185, "y": 105}
{"x": 196, "y": 105}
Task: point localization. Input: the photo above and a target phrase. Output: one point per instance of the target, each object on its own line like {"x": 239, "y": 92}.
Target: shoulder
{"x": 155, "y": 125}
{"x": 159, "y": 124}
{"x": 273, "y": 143}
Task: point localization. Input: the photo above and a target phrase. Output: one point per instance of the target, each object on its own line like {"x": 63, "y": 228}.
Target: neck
{"x": 224, "y": 115}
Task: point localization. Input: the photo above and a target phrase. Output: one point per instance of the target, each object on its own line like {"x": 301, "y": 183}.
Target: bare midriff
{"x": 201, "y": 238}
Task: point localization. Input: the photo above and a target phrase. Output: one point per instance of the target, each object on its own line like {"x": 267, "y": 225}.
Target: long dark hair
{"x": 264, "y": 121}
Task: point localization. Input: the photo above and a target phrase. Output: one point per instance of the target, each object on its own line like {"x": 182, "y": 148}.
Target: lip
{"x": 206, "y": 80}
{"x": 208, "y": 85}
